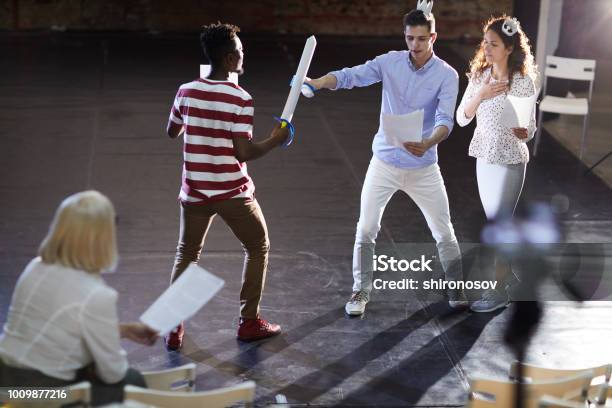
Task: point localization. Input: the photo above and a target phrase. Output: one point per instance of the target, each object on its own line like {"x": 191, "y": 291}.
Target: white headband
{"x": 510, "y": 26}
{"x": 425, "y": 6}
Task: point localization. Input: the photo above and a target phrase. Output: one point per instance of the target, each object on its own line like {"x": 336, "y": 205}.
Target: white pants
{"x": 499, "y": 186}
{"x": 425, "y": 187}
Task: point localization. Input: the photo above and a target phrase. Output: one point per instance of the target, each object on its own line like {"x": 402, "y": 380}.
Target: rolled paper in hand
{"x": 307, "y": 89}
{"x": 298, "y": 81}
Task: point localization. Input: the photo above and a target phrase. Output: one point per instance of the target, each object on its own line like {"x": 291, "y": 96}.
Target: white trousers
{"x": 499, "y": 186}
{"x": 425, "y": 187}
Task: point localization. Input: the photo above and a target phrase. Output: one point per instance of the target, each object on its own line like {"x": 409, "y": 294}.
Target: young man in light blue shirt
{"x": 411, "y": 80}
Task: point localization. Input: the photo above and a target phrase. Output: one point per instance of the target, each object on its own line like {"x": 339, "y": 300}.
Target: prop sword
{"x": 296, "y": 87}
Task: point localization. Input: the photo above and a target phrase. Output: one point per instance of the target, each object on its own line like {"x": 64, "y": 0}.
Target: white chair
{"x": 552, "y": 402}
{"x": 500, "y": 394}
{"x": 219, "y": 398}
{"x": 174, "y": 379}
{"x": 567, "y": 68}
{"x": 78, "y": 393}
{"x": 598, "y": 389}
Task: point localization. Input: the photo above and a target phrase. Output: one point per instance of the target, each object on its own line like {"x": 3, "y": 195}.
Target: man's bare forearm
{"x": 439, "y": 134}
{"x": 328, "y": 81}
{"x": 245, "y": 149}
{"x": 257, "y": 149}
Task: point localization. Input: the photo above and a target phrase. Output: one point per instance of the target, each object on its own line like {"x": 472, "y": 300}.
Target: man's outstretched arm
{"x": 328, "y": 81}
{"x": 358, "y": 76}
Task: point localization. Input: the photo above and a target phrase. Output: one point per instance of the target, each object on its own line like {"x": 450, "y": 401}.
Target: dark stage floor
{"x": 89, "y": 111}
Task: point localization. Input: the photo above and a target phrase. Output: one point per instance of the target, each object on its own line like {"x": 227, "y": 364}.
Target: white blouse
{"x": 60, "y": 320}
{"x": 492, "y": 141}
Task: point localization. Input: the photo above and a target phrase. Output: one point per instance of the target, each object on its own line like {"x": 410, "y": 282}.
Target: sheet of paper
{"x": 192, "y": 290}
{"x": 517, "y": 111}
{"x": 403, "y": 128}
{"x": 205, "y": 71}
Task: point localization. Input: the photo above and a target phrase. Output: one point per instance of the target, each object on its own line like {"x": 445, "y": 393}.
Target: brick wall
{"x": 455, "y": 18}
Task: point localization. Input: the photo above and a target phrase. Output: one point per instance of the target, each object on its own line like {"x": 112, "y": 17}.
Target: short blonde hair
{"x": 82, "y": 234}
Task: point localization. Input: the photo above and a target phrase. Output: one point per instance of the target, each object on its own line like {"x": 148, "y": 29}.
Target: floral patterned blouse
{"x": 492, "y": 141}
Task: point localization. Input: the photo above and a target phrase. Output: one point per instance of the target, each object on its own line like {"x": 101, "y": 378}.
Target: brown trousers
{"x": 245, "y": 219}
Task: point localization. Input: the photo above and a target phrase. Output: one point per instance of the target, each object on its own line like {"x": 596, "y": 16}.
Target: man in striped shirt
{"x": 215, "y": 118}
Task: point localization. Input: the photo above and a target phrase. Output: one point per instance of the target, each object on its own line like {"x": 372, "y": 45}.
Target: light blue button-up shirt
{"x": 433, "y": 87}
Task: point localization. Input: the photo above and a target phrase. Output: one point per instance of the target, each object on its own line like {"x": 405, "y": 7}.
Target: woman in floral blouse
{"x": 503, "y": 65}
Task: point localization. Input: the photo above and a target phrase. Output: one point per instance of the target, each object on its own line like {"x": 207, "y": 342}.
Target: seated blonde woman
{"x": 62, "y": 325}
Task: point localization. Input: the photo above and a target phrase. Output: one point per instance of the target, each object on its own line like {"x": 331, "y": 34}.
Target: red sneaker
{"x": 174, "y": 339}
{"x": 256, "y": 329}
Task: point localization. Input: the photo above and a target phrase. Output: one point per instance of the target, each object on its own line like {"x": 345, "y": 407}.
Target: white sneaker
{"x": 357, "y": 303}
{"x": 491, "y": 300}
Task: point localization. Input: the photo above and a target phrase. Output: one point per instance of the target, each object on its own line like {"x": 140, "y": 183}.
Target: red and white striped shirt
{"x": 212, "y": 112}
